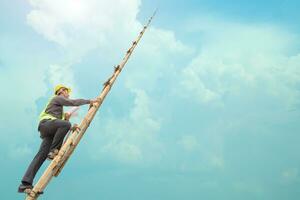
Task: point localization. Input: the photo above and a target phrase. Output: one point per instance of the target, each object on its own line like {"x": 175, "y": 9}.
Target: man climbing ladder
{"x": 59, "y": 161}
{"x": 53, "y": 127}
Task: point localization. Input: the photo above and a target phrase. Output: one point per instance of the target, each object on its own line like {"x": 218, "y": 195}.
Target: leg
{"x": 37, "y": 161}
{"x": 62, "y": 128}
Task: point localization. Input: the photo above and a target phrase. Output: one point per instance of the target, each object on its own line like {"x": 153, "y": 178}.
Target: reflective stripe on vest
{"x": 45, "y": 115}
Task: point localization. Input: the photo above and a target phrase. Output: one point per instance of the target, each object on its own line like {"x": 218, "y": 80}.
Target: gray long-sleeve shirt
{"x": 55, "y": 106}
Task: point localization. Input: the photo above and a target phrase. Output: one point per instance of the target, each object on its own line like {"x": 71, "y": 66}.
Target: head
{"x": 62, "y": 90}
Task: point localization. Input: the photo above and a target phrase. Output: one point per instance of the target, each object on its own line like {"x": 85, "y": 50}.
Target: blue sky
{"x": 206, "y": 108}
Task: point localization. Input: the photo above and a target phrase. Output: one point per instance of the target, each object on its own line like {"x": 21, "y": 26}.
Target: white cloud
{"x": 58, "y": 74}
{"x": 80, "y": 26}
{"x": 83, "y": 25}
{"x": 123, "y": 151}
{"x": 132, "y": 139}
{"x": 108, "y": 27}
{"x": 160, "y": 41}
{"x": 236, "y": 58}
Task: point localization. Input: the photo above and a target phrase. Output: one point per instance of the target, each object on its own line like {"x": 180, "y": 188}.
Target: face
{"x": 63, "y": 92}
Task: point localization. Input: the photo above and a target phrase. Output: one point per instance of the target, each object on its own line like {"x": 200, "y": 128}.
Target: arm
{"x": 70, "y": 102}
{"x": 71, "y": 112}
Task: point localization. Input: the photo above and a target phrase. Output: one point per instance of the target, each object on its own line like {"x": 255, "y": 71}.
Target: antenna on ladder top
{"x": 57, "y": 164}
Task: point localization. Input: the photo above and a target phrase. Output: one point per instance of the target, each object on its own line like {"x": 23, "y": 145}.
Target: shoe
{"x": 51, "y": 155}
{"x": 24, "y": 188}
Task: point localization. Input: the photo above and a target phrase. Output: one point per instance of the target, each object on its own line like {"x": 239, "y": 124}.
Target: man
{"x": 53, "y": 127}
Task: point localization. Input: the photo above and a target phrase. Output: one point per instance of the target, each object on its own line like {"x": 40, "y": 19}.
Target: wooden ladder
{"x": 57, "y": 164}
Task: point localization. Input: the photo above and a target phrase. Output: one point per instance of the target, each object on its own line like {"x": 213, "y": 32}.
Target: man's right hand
{"x": 93, "y": 101}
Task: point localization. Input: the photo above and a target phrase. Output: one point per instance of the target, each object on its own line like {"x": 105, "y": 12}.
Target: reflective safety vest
{"x": 45, "y": 115}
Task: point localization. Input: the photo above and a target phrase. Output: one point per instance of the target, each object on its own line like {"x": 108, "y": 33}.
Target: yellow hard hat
{"x": 58, "y": 87}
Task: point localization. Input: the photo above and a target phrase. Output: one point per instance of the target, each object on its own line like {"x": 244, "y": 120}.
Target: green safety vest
{"x": 45, "y": 115}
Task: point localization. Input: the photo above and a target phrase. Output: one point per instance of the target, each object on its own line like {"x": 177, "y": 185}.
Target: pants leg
{"x": 38, "y": 160}
{"x": 62, "y": 127}
{"x": 53, "y": 133}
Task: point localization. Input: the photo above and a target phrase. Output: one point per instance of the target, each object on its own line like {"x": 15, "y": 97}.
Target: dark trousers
{"x": 52, "y": 133}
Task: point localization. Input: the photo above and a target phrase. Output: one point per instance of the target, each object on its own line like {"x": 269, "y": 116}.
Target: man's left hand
{"x": 67, "y": 116}
{"x": 75, "y": 127}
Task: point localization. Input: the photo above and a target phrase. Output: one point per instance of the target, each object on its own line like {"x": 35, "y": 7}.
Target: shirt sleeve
{"x": 70, "y": 102}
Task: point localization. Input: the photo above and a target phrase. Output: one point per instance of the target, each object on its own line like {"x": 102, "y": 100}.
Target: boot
{"x": 51, "y": 155}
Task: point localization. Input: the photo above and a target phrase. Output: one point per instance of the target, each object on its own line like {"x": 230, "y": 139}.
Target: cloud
{"x": 242, "y": 57}
{"x": 133, "y": 138}
{"x": 109, "y": 27}
{"x": 233, "y": 60}
{"x": 205, "y": 157}
{"x": 61, "y": 74}
{"x": 81, "y": 26}
{"x": 157, "y": 58}
{"x": 105, "y": 27}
